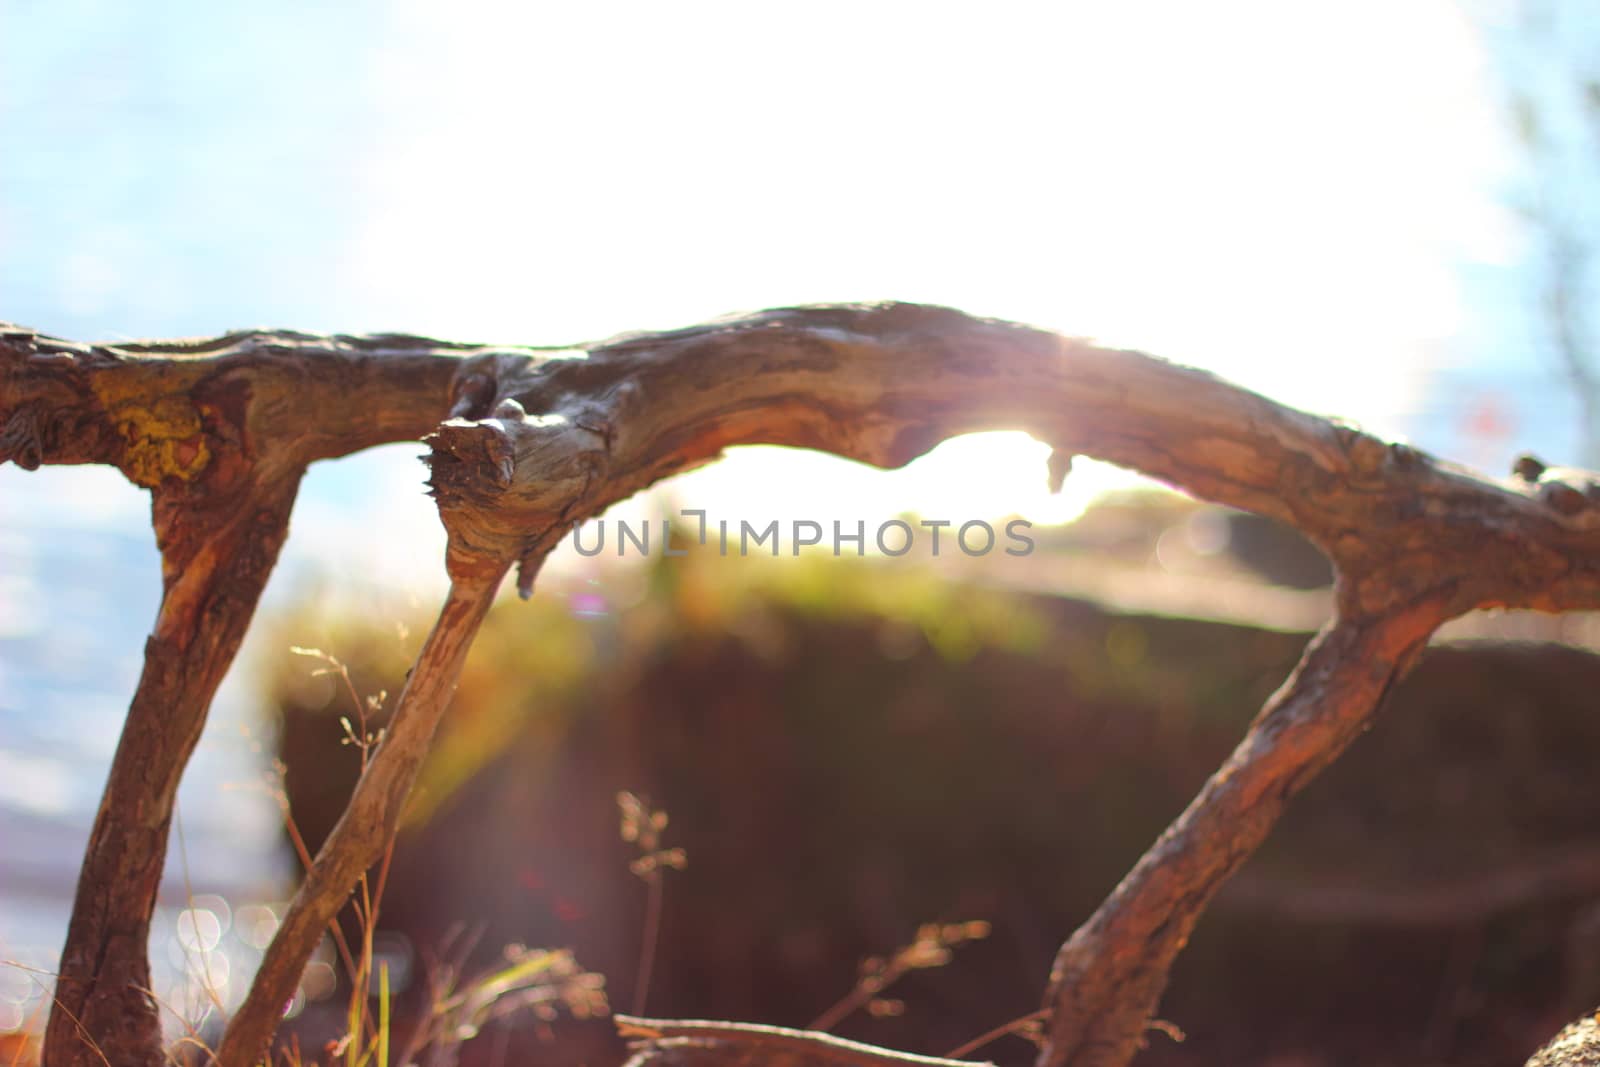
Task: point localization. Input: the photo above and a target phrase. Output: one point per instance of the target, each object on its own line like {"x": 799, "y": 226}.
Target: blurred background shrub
{"x": 849, "y": 749}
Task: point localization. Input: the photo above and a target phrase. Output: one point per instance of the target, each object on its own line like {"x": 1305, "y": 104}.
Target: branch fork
{"x": 526, "y": 443}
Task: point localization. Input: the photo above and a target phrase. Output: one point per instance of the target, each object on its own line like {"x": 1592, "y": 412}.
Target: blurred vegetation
{"x": 851, "y": 749}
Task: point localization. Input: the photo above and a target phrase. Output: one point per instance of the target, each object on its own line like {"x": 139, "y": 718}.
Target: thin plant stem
{"x": 998, "y": 1032}
{"x": 304, "y": 855}
{"x": 852, "y": 1000}
{"x": 647, "y": 944}
{"x": 930, "y": 948}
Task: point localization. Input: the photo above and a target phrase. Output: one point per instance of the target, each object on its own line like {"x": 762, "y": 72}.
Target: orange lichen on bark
{"x": 162, "y": 433}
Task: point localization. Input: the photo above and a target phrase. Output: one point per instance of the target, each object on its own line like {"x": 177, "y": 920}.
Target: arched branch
{"x": 537, "y": 445}
{"x": 540, "y": 440}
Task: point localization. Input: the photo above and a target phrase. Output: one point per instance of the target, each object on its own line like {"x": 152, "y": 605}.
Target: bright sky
{"x": 1277, "y": 191}
{"x": 1284, "y": 193}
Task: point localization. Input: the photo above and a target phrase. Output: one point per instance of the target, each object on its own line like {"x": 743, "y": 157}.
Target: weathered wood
{"x": 220, "y": 432}
{"x": 540, "y": 446}
{"x": 539, "y": 440}
{"x": 369, "y": 820}
{"x": 1576, "y": 1046}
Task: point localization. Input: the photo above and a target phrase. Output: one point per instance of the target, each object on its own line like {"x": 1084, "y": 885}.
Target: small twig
{"x": 1171, "y": 1031}
{"x": 840, "y": 1009}
{"x": 1015, "y": 1026}
{"x": 931, "y": 948}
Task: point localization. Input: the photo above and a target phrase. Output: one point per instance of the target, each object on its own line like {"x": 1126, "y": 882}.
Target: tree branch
{"x": 1107, "y": 978}
{"x": 220, "y": 432}
{"x": 538, "y": 446}
{"x": 368, "y": 823}
{"x": 539, "y": 440}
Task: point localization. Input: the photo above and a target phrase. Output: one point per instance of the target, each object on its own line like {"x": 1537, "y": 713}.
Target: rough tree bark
{"x": 220, "y": 432}
{"x": 1576, "y": 1046}
{"x": 539, "y": 440}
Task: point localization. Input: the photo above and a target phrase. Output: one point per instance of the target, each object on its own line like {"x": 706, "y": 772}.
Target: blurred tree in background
{"x": 1548, "y": 54}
